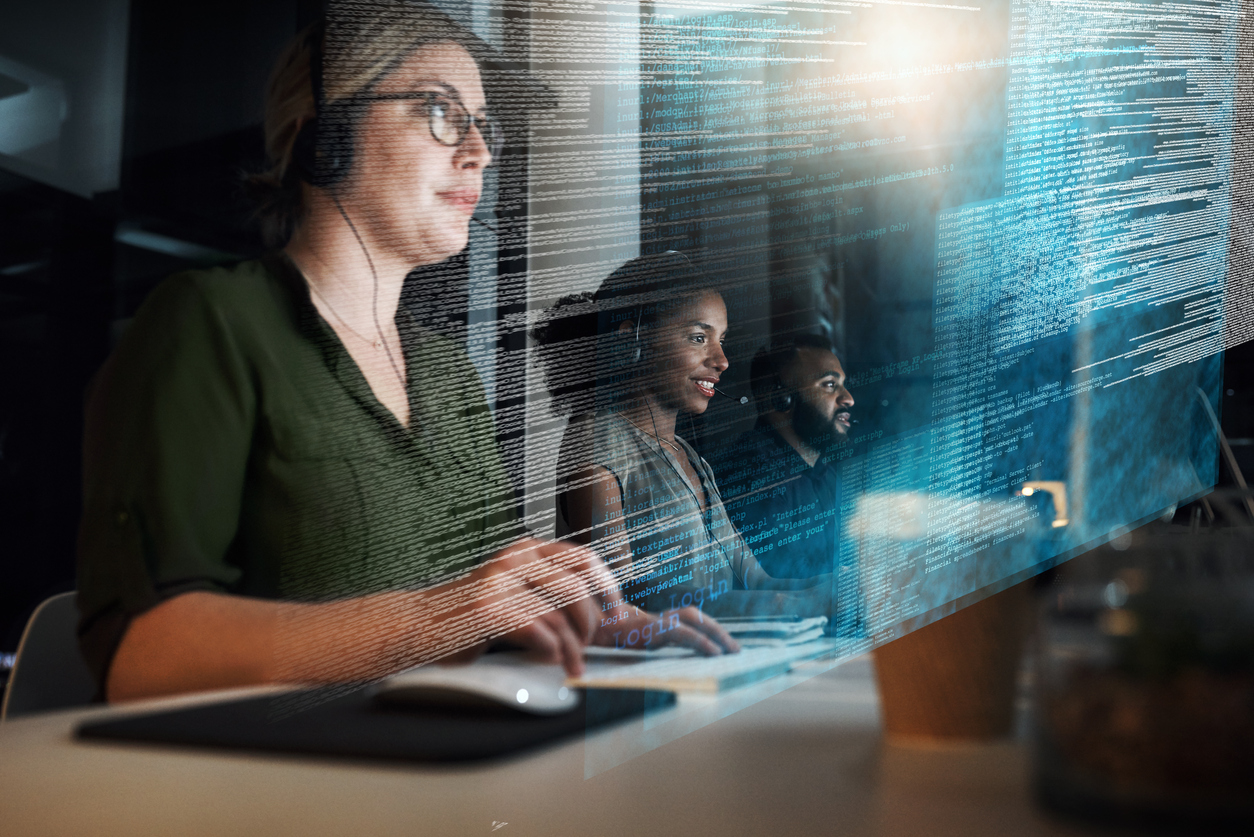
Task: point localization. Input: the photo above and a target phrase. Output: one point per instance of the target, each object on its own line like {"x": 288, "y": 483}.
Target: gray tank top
{"x": 681, "y": 555}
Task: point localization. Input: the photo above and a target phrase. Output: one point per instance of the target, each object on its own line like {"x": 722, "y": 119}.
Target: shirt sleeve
{"x": 168, "y": 430}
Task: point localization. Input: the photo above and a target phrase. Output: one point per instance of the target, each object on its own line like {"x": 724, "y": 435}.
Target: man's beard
{"x": 816, "y": 430}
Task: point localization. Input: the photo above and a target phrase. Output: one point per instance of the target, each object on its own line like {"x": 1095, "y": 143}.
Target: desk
{"x": 808, "y": 760}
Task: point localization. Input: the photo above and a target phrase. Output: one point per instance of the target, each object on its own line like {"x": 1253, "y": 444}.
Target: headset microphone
{"x": 744, "y": 399}
{"x": 483, "y": 223}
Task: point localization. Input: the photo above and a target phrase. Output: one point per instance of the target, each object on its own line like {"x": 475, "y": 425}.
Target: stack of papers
{"x": 774, "y": 632}
{"x": 680, "y": 670}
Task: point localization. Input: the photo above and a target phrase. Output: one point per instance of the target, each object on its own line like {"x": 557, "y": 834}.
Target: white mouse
{"x": 493, "y": 681}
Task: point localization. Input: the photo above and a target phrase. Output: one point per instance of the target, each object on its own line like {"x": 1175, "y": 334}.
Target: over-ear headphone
{"x": 322, "y": 153}
{"x": 782, "y": 397}
{"x": 638, "y": 352}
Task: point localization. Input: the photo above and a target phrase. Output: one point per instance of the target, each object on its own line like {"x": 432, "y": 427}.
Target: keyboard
{"x": 682, "y": 670}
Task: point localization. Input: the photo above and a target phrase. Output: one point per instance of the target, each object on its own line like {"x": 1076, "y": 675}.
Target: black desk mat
{"x": 327, "y": 722}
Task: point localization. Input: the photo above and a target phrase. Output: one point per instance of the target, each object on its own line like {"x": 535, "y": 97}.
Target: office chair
{"x": 49, "y": 673}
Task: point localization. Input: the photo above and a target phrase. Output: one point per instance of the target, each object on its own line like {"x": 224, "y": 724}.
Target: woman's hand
{"x": 545, "y": 597}
{"x": 627, "y": 626}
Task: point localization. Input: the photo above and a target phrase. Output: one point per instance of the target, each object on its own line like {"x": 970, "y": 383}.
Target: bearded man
{"x": 779, "y": 480}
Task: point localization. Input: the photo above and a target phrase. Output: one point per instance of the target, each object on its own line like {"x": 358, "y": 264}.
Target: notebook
{"x": 775, "y": 632}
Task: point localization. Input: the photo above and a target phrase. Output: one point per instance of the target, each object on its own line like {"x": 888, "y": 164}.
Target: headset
{"x": 322, "y": 153}
{"x": 638, "y": 353}
{"x": 782, "y": 397}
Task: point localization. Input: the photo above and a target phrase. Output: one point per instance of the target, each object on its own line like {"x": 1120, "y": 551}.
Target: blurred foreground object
{"x": 1145, "y": 709}
{"x": 955, "y": 678}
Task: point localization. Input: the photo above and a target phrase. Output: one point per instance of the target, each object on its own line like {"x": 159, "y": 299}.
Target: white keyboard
{"x": 682, "y": 670}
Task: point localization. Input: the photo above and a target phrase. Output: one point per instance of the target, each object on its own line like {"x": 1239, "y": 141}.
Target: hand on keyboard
{"x": 627, "y": 626}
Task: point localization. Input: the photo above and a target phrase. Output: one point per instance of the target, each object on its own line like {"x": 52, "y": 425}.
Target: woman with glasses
{"x": 286, "y": 478}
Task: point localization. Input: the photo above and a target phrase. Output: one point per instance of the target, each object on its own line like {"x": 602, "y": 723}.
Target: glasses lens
{"x": 450, "y": 124}
{"x": 444, "y": 121}
{"x": 493, "y": 136}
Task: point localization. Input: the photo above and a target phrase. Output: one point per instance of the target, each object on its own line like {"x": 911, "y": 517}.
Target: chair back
{"x": 49, "y": 673}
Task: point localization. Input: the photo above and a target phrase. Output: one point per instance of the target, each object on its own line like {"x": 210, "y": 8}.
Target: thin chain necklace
{"x": 377, "y": 342}
{"x": 379, "y": 345}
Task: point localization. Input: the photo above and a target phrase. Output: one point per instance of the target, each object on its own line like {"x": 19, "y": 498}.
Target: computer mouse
{"x": 497, "y": 681}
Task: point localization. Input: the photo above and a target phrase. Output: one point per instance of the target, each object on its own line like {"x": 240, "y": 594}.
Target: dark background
{"x": 69, "y": 281}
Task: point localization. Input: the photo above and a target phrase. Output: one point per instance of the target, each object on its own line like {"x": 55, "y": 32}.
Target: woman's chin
{"x": 454, "y": 246}
{"x": 436, "y": 250}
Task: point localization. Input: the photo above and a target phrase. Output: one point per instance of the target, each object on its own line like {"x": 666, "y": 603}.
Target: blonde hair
{"x": 360, "y": 42}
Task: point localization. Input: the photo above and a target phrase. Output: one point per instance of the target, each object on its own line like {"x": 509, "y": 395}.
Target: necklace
{"x": 676, "y": 447}
{"x": 381, "y": 343}
{"x": 377, "y": 342}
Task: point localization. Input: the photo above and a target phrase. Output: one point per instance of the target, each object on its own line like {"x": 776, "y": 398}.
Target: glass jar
{"x": 1145, "y": 681}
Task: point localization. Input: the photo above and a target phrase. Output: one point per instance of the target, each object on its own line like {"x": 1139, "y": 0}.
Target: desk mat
{"x": 328, "y": 722}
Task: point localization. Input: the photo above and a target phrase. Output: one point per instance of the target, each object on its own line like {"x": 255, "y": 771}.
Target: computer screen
{"x": 1014, "y": 223}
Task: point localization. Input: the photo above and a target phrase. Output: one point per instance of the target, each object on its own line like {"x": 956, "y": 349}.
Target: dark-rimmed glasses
{"x": 449, "y": 120}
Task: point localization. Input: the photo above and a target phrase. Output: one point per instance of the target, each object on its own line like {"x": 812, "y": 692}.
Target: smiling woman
{"x": 286, "y": 479}
{"x": 625, "y": 362}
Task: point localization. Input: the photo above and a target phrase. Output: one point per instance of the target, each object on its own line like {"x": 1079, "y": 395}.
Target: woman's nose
{"x": 717, "y": 359}
{"x": 473, "y": 152}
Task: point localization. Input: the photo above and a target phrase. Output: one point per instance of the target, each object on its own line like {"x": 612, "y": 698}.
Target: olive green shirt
{"x": 233, "y": 445}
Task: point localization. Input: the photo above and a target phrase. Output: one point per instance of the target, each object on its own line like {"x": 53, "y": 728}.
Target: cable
{"x": 374, "y": 299}
{"x": 1226, "y": 449}
{"x": 374, "y": 309}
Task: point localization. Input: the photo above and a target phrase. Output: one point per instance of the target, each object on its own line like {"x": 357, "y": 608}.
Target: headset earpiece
{"x": 322, "y": 153}
{"x": 323, "y": 150}
{"x": 781, "y": 400}
{"x": 304, "y": 152}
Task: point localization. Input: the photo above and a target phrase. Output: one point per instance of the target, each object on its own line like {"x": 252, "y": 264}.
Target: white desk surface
{"x": 809, "y": 760}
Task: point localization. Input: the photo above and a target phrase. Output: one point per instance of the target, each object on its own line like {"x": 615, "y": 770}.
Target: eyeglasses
{"x": 450, "y": 122}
